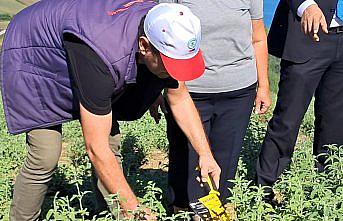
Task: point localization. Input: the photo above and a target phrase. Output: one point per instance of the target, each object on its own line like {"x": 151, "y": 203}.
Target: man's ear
{"x": 144, "y": 45}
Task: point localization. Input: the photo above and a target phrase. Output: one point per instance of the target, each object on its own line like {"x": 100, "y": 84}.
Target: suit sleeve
{"x": 294, "y": 5}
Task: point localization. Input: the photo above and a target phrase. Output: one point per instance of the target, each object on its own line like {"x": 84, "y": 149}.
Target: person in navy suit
{"x": 308, "y": 37}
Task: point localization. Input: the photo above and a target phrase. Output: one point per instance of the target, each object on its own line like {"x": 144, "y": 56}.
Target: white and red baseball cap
{"x": 176, "y": 33}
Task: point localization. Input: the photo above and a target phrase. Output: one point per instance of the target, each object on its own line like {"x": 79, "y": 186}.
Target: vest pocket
{"x": 36, "y": 70}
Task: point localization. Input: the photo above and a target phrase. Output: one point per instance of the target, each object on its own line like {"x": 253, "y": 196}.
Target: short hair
{"x": 141, "y": 32}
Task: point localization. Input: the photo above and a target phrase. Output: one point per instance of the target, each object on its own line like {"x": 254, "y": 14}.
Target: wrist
{"x": 205, "y": 153}
{"x": 264, "y": 86}
{"x": 304, "y": 6}
{"x": 129, "y": 205}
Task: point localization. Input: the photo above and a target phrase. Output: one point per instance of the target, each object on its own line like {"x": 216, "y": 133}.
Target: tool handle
{"x": 210, "y": 185}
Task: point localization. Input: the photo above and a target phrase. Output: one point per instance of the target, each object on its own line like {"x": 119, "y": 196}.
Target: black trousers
{"x": 225, "y": 117}
{"x": 321, "y": 76}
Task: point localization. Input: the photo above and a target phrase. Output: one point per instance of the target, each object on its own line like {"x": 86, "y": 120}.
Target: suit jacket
{"x": 285, "y": 38}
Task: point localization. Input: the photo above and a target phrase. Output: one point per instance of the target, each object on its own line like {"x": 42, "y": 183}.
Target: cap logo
{"x": 191, "y": 44}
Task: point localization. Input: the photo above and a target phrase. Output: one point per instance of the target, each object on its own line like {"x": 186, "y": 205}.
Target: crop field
{"x": 303, "y": 193}
{"x": 11, "y": 7}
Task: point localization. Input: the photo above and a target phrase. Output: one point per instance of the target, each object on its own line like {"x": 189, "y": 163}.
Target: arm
{"x": 187, "y": 117}
{"x": 86, "y": 67}
{"x": 159, "y": 103}
{"x": 259, "y": 42}
{"x": 96, "y": 130}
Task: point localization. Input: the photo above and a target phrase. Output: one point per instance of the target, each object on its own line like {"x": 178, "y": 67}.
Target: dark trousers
{"x": 321, "y": 76}
{"x": 225, "y": 117}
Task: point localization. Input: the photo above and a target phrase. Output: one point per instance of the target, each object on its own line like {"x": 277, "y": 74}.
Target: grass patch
{"x": 10, "y": 7}
{"x": 274, "y": 73}
{"x": 5, "y": 17}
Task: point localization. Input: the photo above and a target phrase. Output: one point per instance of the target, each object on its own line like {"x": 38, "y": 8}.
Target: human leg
{"x": 183, "y": 160}
{"x": 296, "y": 88}
{"x": 43, "y": 151}
{"x": 231, "y": 117}
{"x": 328, "y": 108}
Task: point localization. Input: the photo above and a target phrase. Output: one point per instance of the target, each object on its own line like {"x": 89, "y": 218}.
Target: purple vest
{"x": 36, "y": 85}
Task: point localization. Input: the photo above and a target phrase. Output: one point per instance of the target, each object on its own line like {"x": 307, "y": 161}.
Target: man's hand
{"x": 262, "y": 101}
{"x": 208, "y": 166}
{"x": 143, "y": 213}
{"x": 150, "y": 216}
{"x": 154, "y": 109}
{"x": 311, "y": 20}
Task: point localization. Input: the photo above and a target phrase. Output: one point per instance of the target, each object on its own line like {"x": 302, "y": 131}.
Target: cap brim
{"x": 184, "y": 69}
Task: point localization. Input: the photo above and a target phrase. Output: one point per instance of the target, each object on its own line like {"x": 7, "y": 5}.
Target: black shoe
{"x": 271, "y": 198}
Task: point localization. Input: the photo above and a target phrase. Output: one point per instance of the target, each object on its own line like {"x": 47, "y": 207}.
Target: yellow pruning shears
{"x": 209, "y": 207}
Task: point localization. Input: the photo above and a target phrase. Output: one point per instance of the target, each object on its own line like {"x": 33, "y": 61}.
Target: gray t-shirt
{"x": 226, "y": 43}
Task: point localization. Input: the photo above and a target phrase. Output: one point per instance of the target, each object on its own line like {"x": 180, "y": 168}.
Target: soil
{"x": 156, "y": 159}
